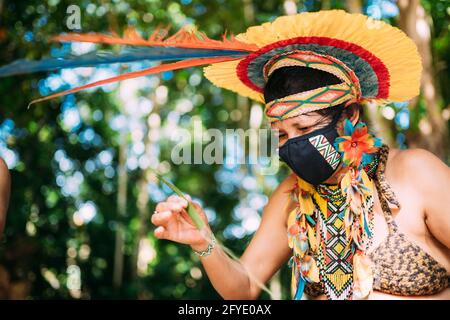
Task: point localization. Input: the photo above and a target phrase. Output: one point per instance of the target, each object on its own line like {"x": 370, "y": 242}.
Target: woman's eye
{"x": 304, "y": 130}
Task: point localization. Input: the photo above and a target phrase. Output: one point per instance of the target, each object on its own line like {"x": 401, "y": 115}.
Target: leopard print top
{"x": 400, "y": 266}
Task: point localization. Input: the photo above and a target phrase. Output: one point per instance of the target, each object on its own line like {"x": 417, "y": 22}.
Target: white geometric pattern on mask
{"x": 328, "y": 152}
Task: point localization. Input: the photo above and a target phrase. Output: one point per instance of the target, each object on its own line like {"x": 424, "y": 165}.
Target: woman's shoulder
{"x": 286, "y": 186}
{"x": 280, "y": 197}
{"x": 418, "y": 164}
{"x": 415, "y": 157}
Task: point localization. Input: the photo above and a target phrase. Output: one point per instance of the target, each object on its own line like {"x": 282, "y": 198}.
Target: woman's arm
{"x": 433, "y": 180}
{"x": 5, "y": 188}
{"x": 267, "y": 251}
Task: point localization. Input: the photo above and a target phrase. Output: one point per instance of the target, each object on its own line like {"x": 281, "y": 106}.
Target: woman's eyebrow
{"x": 311, "y": 123}
{"x": 300, "y": 124}
{"x": 303, "y": 125}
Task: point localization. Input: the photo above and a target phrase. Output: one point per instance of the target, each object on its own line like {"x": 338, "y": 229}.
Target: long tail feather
{"x": 184, "y": 38}
{"x": 140, "y": 73}
{"x": 97, "y": 58}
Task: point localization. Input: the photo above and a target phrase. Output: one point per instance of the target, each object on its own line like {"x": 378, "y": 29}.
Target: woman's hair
{"x": 290, "y": 80}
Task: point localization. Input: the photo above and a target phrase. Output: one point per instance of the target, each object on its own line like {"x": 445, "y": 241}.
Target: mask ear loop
{"x": 337, "y": 116}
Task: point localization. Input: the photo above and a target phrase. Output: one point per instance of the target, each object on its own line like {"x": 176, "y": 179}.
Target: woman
{"x": 419, "y": 179}
{"x": 365, "y": 222}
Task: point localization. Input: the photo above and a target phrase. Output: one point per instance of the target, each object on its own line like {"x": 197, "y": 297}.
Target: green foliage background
{"x": 41, "y": 239}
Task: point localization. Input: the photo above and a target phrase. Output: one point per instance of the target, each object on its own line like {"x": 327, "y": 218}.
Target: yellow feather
{"x": 322, "y": 203}
{"x": 223, "y": 75}
{"x": 346, "y": 181}
{"x": 293, "y": 281}
{"x": 302, "y": 221}
{"x": 305, "y": 186}
{"x": 291, "y": 220}
{"x": 312, "y": 239}
{"x": 313, "y": 273}
{"x": 292, "y": 217}
{"x": 389, "y": 44}
{"x": 306, "y": 205}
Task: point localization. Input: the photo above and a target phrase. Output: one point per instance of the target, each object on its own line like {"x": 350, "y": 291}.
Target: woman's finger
{"x": 161, "y": 233}
{"x": 177, "y": 199}
{"x": 161, "y": 218}
{"x": 186, "y": 217}
{"x": 200, "y": 211}
{"x": 169, "y": 206}
{"x": 185, "y": 236}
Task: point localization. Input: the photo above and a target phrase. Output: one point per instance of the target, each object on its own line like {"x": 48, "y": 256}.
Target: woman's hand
{"x": 173, "y": 223}
{"x": 233, "y": 279}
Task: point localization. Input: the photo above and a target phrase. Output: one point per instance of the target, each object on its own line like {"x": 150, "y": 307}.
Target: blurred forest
{"x": 78, "y": 225}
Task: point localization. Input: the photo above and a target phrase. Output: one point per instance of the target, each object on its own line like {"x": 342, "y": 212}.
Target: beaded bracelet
{"x": 208, "y": 250}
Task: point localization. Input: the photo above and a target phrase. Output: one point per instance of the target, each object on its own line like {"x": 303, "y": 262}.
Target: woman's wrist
{"x": 205, "y": 247}
{"x": 200, "y": 246}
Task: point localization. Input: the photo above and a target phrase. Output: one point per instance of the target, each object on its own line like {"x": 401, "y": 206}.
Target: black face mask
{"x": 312, "y": 156}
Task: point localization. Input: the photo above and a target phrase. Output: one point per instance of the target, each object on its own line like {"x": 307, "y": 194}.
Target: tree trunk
{"x": 433, "y": 131}
{"x": 354, "y": 6}
{"x": 121, "y": 212}
{"x": 290, "y": 7}
{"x": 326, "y": 4}
{"x": 150, "y": 140}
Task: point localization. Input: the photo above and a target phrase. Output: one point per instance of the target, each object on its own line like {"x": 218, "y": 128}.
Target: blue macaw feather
{"x": 129, "y": 54}
{"x": 300, "y": 288}
{"x": 338, "y": 140}
{"x": 360, "y": 125}
{"x": 348, "y": 127}
{"x": 336, "y": 143}
{"x": 291, "y": 262}
{"x": 366, "y": 158}
{"x": 311, "y": 221}
{"x": 378, "y": 142}
{"x": 366, "y": 227}
{"x": 363, "y": 187}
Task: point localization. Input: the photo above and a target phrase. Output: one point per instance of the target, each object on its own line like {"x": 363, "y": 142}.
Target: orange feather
{"x": 158, "y": 69}
{"x": 183, "y": 38}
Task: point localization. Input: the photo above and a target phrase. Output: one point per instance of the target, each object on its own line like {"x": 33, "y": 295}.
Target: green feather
{"x": 191, "y": 210}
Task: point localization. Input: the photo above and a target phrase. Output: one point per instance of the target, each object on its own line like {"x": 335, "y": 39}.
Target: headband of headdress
{"x": 347, "y": 91}
{"x": 374, "y": 60}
